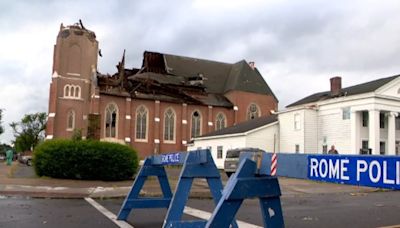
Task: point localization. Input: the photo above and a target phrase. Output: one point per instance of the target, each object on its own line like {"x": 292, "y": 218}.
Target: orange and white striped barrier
{"x": 274, "y": 163}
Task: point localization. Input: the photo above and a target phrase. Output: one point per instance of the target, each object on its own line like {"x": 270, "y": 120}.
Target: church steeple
{"x": 74, "y": 63}
{"x": 75, "y": 52}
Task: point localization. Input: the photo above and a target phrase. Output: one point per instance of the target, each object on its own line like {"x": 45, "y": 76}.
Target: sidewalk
{"x": 64, "y": 188}
{"x": 10, "y": 185}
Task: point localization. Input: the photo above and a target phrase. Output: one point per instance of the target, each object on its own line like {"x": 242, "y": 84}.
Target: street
{"x": 318, "y": 210}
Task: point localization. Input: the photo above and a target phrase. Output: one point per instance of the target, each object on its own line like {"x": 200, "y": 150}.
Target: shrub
{"x": 76, "y": 135}
{"x": 88, "y": 160}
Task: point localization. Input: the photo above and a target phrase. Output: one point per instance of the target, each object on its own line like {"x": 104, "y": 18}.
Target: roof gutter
{"x": 219, "y": 136}
{"x": 236, "y": 134}
{"x": 331, "y": 101}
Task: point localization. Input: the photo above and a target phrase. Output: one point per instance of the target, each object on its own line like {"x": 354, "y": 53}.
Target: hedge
{"x": 87, "y": 160}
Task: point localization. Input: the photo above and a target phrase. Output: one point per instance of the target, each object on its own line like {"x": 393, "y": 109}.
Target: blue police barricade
{"x": 196, "y": 164}
{"x": 250, "y": 181}
{"x": 379, "y": 171}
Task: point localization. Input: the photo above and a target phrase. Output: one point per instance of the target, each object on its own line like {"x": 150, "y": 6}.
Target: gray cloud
{"x": 297, "y": 45}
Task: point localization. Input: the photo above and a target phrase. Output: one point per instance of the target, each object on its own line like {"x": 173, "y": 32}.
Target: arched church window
{"x": 220, "y": 121}
{"x": 77, "y": 91}
{"x": 66, "y": 91}
{"x": 70, "y": 120}
{"x": 196, "y": 124}
{"x": 71, "y": 91}
{"x": 253, "y": 112}
{"x": 169, "y": 125}
{"x": 111, "y": 121}
{"x": 141, "y": 122}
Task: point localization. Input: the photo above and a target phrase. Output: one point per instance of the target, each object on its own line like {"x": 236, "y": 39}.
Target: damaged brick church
{"x": 156, "y": 108}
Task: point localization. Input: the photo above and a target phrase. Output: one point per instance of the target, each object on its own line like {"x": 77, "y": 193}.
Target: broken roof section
{"x": 189, "y": 80}
{"x": 77, "y": 29}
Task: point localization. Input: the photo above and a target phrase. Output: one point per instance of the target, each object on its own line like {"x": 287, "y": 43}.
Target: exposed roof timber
{"x": 201, "y": 81}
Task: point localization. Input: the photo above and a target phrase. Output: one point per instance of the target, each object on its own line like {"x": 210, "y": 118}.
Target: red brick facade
{"x": 74, "y": 92}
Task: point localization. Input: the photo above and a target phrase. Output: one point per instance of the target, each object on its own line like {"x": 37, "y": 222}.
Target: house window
{"x": 382, "y": 148}
{"x": 111, "y": 121}
{"x": 169, "y": 125}
{"x": 346, "y": 113}
{"x": 71, "y": 120}
{"x": 297, "y": 148}
{"x": 220, "y": 121}
{"x": 365, "y": 119}
{"x": 141, "y": 122}
{"x": 219, "y": 152}
{"x": 364, "y": 144}
{"x": 397, "y": 120}
{"x": 364, "y": 147}
{"x": 297, "y": 125}
{"x": 196, "y": 124}
{"x": 324, "y": 149}
{"x": 382, "y": 120}
{"x": 253, "y": 112}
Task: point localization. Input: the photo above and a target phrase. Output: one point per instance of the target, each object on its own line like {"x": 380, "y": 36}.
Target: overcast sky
{"x": 296, "y": 45}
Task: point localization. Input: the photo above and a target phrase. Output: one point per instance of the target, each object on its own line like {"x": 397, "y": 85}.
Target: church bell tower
{"x": 74, "y": 70}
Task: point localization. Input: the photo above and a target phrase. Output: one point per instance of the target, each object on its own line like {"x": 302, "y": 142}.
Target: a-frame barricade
{"x": 249, "y": 181}
{"x": 134, "y": 201}
{"x": 196, "y": 164}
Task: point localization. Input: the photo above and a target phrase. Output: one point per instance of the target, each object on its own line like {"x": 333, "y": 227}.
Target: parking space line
{"x": 206, "y": 215}
{"x": 108, "y": 214}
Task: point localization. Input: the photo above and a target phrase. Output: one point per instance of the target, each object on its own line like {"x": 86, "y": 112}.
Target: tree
{"x": 3, "y": 148}
{"x": 30, "y": 131}
{"x": 1, "y": 127}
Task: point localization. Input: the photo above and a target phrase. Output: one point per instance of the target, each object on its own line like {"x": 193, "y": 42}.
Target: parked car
{"x": 25, "y": 157}
{"x": 232, "y": 158}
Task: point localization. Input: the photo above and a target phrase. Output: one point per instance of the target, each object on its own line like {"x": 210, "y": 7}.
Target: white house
{"x": 361, "y": 119}
{"x": 260, "y": 133}
{"x": 358, "y": 119}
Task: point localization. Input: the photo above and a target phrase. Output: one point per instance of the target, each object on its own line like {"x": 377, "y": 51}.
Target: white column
{"x": 373, "y": 125}
{"x": 392, "y": 133}
{"x": 355, "y": 132}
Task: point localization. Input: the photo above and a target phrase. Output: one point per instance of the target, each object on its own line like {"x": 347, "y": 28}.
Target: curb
{"x": 79, "y": 193}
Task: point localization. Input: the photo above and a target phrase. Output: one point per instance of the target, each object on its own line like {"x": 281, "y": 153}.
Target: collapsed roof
{"x": 182, "y": 79}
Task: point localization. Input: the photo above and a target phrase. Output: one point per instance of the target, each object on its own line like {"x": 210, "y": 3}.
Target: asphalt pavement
{"x": 339, "y": 210}
{"x": 67, "y": 203}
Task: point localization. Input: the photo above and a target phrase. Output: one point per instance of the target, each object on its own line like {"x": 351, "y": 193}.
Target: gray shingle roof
{"x": 215, "y": 73}
{"x": 219, "y": 77}
{"x": 348, "y": 91}
{"x": 243, "y": 78}
{"x": 244, "y": 126}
